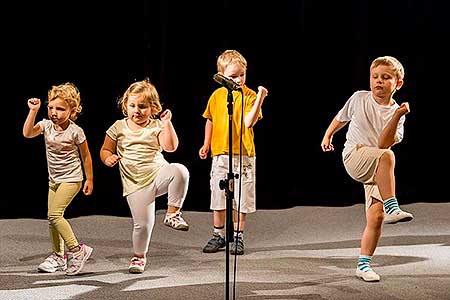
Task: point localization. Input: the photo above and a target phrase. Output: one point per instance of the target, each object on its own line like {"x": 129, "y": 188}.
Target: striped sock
{"x": 364, "y": 263}
{"x": 391, "y": 205}
{"x": 239, "y": 234}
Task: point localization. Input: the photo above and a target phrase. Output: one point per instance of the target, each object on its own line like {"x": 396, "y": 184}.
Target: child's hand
{"x": 88, "y": 187}
{"x": 166, "y": 115}
{"x": 262, "y": 91}
{"x": 203, "y": 152}
{"x": 327, "y": 145}
{"x": 34, "y": 103}
{"x": 403, "y": 109}
{"x": 112, "y": 160}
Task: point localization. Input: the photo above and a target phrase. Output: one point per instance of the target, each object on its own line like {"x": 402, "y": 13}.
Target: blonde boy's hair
{"x": 69, "y": 93}
{"x": 147, "y": 90}
{"x": 390, "y": 61}
{"x": 229, "y": 57}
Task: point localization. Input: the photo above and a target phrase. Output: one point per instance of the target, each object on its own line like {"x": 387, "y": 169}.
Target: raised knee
{"x": 182, "y": 170}
{"x": 388, "y": 157}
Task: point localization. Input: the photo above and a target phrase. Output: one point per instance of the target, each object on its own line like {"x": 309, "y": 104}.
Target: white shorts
{"x": 361, "y": 164}
{"x": 246, "y": 180}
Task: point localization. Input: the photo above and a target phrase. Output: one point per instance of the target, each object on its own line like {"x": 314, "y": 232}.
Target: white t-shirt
{"x": 367, "y": 120}
{"x": 63, "y": 156}
{"x": 140, "y": 153}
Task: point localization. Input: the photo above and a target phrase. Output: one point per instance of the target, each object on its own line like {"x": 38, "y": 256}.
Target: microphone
{"x": 228, "y": 83}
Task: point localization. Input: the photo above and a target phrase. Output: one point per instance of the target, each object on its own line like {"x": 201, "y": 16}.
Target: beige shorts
{"x": 361, "y": 164}
{"x": 219, "y": 171}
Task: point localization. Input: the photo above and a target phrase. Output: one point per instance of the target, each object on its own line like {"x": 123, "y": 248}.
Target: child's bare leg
{"x": 218, "y": 240}
{"x": 385, "y": 177}
{"x": 242, "y": 217}
{"x": 237, "y": 247}
{"x": 385, "y": 180}
{"x": 172, "y": 209}
{"x": 372, "y": 231}
{"x": 219, "y": 218}
{"x": 369, "y": 241}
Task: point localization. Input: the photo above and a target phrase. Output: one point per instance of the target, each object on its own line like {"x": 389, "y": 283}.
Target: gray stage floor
{"x": 299, "y": 253}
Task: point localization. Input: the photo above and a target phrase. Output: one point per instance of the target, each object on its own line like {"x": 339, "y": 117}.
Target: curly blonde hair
{"x": 145, "y": 89}
{"x": 69, "y": 93}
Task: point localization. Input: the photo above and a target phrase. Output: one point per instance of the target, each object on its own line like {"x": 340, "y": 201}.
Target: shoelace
{"x": 137, "y": 261}
{"x": 176, "y": 217}
{"x": 55, "y": 258}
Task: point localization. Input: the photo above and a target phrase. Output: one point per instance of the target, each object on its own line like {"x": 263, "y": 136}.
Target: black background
{"x": 311, "y": 55}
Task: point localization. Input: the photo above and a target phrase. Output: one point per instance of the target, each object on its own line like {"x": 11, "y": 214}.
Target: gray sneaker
{"x": 215, "y": 244}
{"x": 237, "y": 246}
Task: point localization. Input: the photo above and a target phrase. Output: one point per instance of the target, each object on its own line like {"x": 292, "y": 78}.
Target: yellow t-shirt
{"x": 217, "y": 112}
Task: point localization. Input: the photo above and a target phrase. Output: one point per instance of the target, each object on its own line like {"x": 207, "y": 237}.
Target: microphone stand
{"x": 228, "y": 185}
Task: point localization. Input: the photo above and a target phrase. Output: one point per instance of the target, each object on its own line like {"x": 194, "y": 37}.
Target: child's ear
{"x": 399, "y": 84}
{"x": 73, "y": 111}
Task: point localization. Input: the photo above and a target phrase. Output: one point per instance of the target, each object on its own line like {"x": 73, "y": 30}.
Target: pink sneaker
{"x": 137, "y": 265}
{"x": 78, "y": 260}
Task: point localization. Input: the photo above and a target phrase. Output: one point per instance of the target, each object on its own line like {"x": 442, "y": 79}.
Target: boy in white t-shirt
{"x": 375, "y": 125}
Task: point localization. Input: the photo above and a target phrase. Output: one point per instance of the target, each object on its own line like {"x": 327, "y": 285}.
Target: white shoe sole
{"x": 368, "y": 276}
{"x": 398, "y": 217}
{"x": 44, "y": 270}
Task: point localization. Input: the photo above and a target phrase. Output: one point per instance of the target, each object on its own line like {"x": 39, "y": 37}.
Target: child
{"x": 232, "y": 65}
{"x": 136, "y": 143}
{"x": 65, "y": 143}
{"x": 375, "y": 124}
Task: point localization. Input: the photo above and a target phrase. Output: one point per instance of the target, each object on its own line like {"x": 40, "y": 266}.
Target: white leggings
{"x": 172, "y": 180}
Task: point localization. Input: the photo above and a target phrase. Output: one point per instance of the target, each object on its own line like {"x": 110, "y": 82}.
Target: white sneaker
{"x": 76, "y": 263}
{"x": 397, "y": 216}
{"x": 53, "y": 263}
{"x": 176, "y": 221}
{"x": 369, "y": 276}
{"x": 137, "y": 265}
